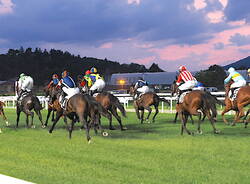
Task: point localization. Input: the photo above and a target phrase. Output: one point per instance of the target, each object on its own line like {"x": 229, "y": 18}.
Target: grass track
{"x": 144, "y": 154}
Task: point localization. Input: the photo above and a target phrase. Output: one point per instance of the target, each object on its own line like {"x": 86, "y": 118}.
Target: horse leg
{"x": 118, "y": 118}
{"x": 142, "y": 115}
{"x": 199, "y": 123}
{"x": 18, "y": 116}
{"x": 211, "y": 119}
{"x": 71, "y": 127}
{"x": 38, "y": 113}
{"x": 27, "y": 120}
{"x": 156, "y": 112}
{"x": 245, "y": 118}
{"x": 110, "y": 121}
{"x": 32, "y": 119}
{"x": 58, "y": 115}
{"x": 137, "y": 113}
{"x": 175, "y": 118}
{"x": 192, "y": 120}
{"x": 5, "y": 119}
{"x": 183, "y": 118}
{"x": 235, "y": 118}
{"x": 149, "y": 112}
{"x": 83, "y": 120}
{"x": 53, "y": 115}
{"x": 48, "y": 115}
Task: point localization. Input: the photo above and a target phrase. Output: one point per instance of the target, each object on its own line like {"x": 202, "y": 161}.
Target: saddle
{"x": 63, "y": 102}
{"x": 22, "y": 95}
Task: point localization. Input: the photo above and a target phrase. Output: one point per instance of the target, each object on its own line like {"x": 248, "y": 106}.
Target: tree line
{"x": 41, "y": 64}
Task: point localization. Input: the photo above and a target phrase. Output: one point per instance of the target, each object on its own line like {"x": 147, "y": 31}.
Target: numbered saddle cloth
{"x": 234, "y": 96}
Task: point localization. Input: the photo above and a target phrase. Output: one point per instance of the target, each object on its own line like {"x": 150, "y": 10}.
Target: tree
{"x": 214, "y": 76}
{"x": 155, "y": 68}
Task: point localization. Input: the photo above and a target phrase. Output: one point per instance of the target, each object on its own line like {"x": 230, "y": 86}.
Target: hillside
{"x": 241, "y": 64}
{"x": 41, "y": 64}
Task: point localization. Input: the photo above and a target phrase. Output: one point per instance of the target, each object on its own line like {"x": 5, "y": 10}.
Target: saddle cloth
{"x": 234, "y": 96}
{"x": 95, "y": 94}
{"x": 181, "y": 99}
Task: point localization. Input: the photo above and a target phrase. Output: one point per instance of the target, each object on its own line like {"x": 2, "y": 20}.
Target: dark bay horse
{"x": 28, "y": 103}
{"x": 144, "y": 102}
{"x": 108, "y": 101}
{"x": 196, "y": 103}
{"x": 111, "y": 103}
{"x": 242, "y": 100}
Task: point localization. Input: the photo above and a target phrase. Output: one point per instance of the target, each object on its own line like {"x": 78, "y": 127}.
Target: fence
{"x": 125, "y": 99}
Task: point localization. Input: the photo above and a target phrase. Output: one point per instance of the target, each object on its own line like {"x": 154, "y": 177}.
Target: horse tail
{"x": 2, "y": 103}
{"x": 117, "y": 104}
{"x": 215, "y": 99}
{"x": 37, "y": 104}
{"x": 99, "y": 108}
{"x": 209, "y": 104}
{"x": 164, "y": 100}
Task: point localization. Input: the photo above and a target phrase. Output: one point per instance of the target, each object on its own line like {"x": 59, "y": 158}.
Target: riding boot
{"x": 232, "y": 92}
{"x": 62, "y": 98}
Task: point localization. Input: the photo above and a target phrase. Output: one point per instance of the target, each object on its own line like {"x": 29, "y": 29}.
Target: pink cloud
{"x": 199, "y": 4}
{"x": 134, "y": 1}
{"x": 216, "y": 16}
{"x": 106, "y": 45}
{"x": 224, "y": 3}
{"x": 6, "y": 7}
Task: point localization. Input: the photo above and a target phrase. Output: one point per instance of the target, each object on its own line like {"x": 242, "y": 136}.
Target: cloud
{"x": 239, "y": 40}
{"x": 6, "y": 7}
{"x": 238, "y": 10}
{"x": 218, "y": 46}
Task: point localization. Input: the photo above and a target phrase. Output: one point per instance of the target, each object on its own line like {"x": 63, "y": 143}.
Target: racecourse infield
{"x": 143, "y": 154}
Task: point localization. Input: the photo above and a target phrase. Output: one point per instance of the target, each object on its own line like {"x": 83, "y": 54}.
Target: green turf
{"x": 144, "y": 154}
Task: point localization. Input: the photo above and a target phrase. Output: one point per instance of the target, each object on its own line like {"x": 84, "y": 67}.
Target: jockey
{"x": 238, "y": 81}
{"x": 141, "y": 87}
{"x": 25, "y": 84}
{"x": 54, "y": 80}
{"x": 88, "y": 79}
{"x": 97, "y": 80}
{"x": 68, "y": 87}
{"x": 189, "y": 81}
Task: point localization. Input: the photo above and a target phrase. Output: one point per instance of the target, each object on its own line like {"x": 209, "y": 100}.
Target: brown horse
{"x": 2, "y": 104}
{"x": 195, "y": 103}
{"x": 53, "y": 105}
{"x": 144, "y": 102}
{"x": 111, "y": 103}
{"x": 79, "y": 108}
{"x": 242, "y": 100}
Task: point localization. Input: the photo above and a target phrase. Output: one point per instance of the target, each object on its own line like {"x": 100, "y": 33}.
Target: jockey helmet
{"x": 65, "y": 73}
{"x": 55, "y": 76}
{"x": 87, "y": 72}
{"x": 22, "y": 75}
{"x": 93, "y": 70}
{"x": 182, "y": 68}
{"x": 231, "y": 69}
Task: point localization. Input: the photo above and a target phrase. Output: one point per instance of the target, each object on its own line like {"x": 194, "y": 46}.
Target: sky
{"x": 193, "y": 33}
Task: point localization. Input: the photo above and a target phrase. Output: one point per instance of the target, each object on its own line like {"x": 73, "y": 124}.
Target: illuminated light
{"x": 121, "y": 82}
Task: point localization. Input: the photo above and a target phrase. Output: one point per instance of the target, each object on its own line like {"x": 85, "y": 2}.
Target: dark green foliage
{"x": 41, "y": 64}
{"x": 214, "y": 76}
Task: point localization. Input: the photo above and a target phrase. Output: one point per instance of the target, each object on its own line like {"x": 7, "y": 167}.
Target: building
{"x": 160, "y": 79}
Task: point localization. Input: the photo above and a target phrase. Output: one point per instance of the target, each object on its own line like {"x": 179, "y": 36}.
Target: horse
{"x": 27, "y": 104}
{"x": 242, "y": 100}
{"x": 144, "y": 102}
{"x": 108, "y": 101}
{"x": 2, "y": 104}
{"x": 195, "y": 103}
{"x": 53, "y": 105}
{"x": 78, "y": 108}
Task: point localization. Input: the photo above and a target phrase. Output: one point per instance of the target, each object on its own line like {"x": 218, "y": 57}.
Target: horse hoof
{"x": 105, "y": 134}
{"x": 7, "y": 123}
{"x": 111, "y": 128}
{"x": 1, "y": 131}
{"x": 43, "y": 126}
{"x": 123, "y": 128}
{"x": 89, "y": 141}
{"x": 217, "y": 131}
{"x": 200, "y": 132}
{"x": 33, "y": 126}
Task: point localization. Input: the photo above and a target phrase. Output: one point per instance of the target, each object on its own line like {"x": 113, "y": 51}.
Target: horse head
{"x": 174, "y": 88}
{"x": 132, "y": 90}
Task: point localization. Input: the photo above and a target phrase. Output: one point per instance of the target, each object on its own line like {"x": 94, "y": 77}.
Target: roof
{"x": 151, "y": 78}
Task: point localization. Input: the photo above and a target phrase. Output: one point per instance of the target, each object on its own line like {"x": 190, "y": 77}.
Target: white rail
{"x": 125, "y": 99}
